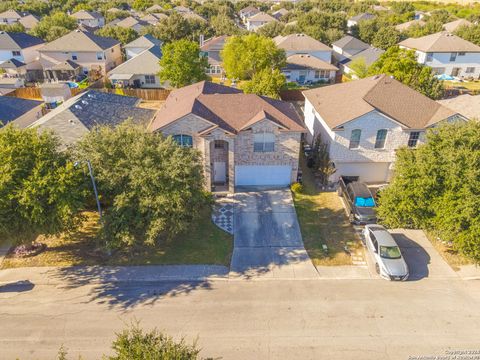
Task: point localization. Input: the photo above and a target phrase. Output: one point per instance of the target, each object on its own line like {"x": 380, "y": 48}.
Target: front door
{"x": 456, "y": 71}
{"x": 220, "y": 172}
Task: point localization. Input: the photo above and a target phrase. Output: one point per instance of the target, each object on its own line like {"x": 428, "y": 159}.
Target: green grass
{"x": 470, "y": 85}
{"x": 323, "y": 221}
{"x": 203, "y": 243}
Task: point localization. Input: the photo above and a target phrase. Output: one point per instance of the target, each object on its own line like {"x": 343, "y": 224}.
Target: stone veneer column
{"x": 231, "y": 164}
{"x": 208, "y": 167}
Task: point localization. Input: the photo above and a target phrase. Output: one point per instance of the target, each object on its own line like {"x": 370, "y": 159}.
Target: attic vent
{"x": 78, "y": 107}
{"x": 71, "y": 121}
{"x": 84, "y": 102}
{"x": 91, "y": 95}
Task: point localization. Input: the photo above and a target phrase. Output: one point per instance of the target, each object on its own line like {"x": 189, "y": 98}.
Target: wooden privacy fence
{"x": 144, "y": 94}
{"x": 33, "y": 93}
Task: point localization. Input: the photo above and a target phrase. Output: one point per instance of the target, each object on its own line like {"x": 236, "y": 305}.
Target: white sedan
{"x": 389, "y": 262}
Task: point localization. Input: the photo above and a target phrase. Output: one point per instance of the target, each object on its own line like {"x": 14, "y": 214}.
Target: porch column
{"x": 231, "y": 165}
{"x": 207, "y": 164}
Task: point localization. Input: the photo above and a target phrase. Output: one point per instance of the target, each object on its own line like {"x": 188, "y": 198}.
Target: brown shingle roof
{"x": 261, "y": 16}
{"x": 305, "y": 61}
{"x": 454, "y": 25}
{"x": 80, "y": 41}
{"x": 341, "y": 103}
{"x": 300, "y": 42}
{"x": 440, "y": 42}
{"x": 226, "y": 107}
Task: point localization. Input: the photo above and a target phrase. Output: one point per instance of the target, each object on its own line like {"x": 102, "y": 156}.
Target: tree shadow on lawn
{"x": 126, "y": 287}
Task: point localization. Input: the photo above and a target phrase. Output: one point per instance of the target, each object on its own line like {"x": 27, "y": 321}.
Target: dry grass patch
{"x": 452, "y": 257}
{"x": 323, "y": 220}
{"x": 203, "y": 243}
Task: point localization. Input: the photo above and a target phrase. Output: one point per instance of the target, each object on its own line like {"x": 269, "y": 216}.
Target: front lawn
{"x": 323, "y": 221}
{"x": 469, "y": 85}
{"x": 204, "y": 243}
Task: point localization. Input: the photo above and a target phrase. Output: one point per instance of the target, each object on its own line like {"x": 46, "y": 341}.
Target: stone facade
{"x": 239, "y": 148}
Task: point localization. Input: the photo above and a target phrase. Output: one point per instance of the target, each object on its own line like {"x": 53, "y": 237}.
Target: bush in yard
{"x": 41, "y": 192}
{"x": 135, "y": 344}
{"x": 153, "y": 187}
{"x": 437, "y": 187}
{"x": 296, "y": 188}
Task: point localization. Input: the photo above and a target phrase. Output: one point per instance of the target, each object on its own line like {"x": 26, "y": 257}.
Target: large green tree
{"x": 124, "y": 35}
{"x": 153, "y": 186}
{"x": 54, "y": 26}
{"x": 386, "y": 37}
{"x": 265, "y": 82}
{"x": 437, "y": 187}
{"x": 182, "y": 64}
{"x": 470, "y": 33}
{"x": 403, "y": 65}
{"x": 41, "y": 192}
{"x": 244, "y": 56}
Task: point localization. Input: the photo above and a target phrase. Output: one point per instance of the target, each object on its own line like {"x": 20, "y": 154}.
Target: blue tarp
{"x": 364, "y": 202}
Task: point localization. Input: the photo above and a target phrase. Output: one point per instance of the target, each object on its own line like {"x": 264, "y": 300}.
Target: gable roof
{"x": 87, "y": 15}
{"x": 145, "y": 41}
{"x": 154, "y": 8}
{"x": 29, "y": 21}
{"x": 11, "y": 64}
{"x": 80, "y": 114}
{"x": 370, "y": 55}
{"x": 341, "y": 103}
{"x": 363, "y": 16}
{"x": 249, "y": 9}
{"x": 10, "y": 14}
{"x": 300, "y": 42}
{"x": 226, "y": 107}
{"x": 214, "y": 44}
{"x": 351, "y": 45}
{"x": 261, "y": 16}
{"x": 182, "y": 9}
{"x": 454, "y": 25}
{"x": 306, "y": 61}
{"x": 17, "y": 41}
{"x": 78, "y": 40}
{"x": 467, "y": 105}
{"x": 406, "y": 25}
{"x": 144, "y": 63}
{"x": 440, "y": 42}
{"x": 11, "y": 108}
{"x": 130, "y": 21}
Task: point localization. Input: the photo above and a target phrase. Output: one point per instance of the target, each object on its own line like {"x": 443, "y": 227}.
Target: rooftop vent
{"x": 84, "y": 102}
{"x": 78, "y": 107}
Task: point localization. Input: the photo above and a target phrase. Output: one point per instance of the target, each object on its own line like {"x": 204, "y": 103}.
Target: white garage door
{"x": 262, "y": 175}
{"x": 368, "y": 172}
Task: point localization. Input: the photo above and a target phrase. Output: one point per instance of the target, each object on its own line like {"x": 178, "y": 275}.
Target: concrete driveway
{"x": 422, "y": 258}
{"x": 267, "y": 237}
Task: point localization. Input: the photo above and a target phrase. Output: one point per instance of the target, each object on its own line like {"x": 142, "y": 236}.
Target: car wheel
{"x": 377, "y": 268}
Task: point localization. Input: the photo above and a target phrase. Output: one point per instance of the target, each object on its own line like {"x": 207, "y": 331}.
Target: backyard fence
{"x": 144, "y": 94}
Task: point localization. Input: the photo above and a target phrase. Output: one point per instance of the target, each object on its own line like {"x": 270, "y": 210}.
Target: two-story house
{"x": 91, "y": 19}
{"x": 245, "y": 139}
{"x": 79, "y": 50}
{"x": 308, "y": 60}
{"x": 258, "y": 20}
{"x": 19, "y": 51}
{"x": 364, "y": 122}
{"x": 140, "y": 44}
{"x": 211, "y": 49}
{"x": 355, "y": 20}
{"x": 247, "y": 12}
{"x": 447, "y": 54}
{"x": 10, "y": 17}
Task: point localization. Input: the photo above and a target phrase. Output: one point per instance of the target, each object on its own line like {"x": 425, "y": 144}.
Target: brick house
{"x": 245, "y": 139}
{"x": 364, "y": 122}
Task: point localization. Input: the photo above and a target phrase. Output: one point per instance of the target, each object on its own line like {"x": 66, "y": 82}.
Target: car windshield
{"x": 390, "y": 252}
{"x": 364, "y": 202}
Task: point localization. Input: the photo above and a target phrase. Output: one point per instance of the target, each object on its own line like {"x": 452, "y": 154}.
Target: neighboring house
{"x": 348, "y": 46}
{"x": 20, "y": 49}
{"x": 154, "y": 9}
{"x": 380, "y": 8}
{"x": 405, "y": 26}
{"x": 19, "y": 112}
{"x": 10, "y": 17}
{"x": 456, "y": 24}
{"x": 364, "y": 122}
{"x": 141, "y": 44}
{"x": 140, "y": 71}
{"x": 153, "y": 19}
{"x": 29, "y": 21}
{"x": 247, "y": 12}
{"x": 80, "y": 114}
{"x": 211, "y": 48}
{"x": 466, "y": 105}
{"x": 308, "y": 69}
{"x": 87, "y": 50}
{"x": 369, "y": 55}
{"x": 182, "y": 10}
{"x": 447, "y": 54}
{"x": 353, "y": 21}
{"x": 192, "y": 16}
{"x": 55, "y": 93}
{"x": 91, "y": 19}
{"x": 419, "y": 15}
{"x": 14, "y": 69}
{"x": 258, "y": 20}
{"x": 308, "y": 60}
{"x": 279, "y": 13}
{"x": 132, "y": 23}
{"x": 245, "y": 139}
